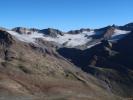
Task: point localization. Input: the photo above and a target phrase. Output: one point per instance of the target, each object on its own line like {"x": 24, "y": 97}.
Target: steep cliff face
{"x": 125, "y": 47}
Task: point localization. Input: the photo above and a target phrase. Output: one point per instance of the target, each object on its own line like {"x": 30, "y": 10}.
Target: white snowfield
{"x": 120, "y": 32}
{"x": 70, "y": 40}
{"x": 30, "y": 38}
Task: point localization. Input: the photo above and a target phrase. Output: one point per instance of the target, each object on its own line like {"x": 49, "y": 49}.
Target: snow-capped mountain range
{"x": 75, "y": 38}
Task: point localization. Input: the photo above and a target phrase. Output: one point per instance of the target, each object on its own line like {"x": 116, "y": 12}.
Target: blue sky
{"x": 65, "y": 14}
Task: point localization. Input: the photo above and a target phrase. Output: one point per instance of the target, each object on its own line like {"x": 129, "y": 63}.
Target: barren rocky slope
{"x": 31, "y": 72}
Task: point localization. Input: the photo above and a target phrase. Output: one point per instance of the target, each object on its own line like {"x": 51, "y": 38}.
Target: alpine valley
{"x": 84, "y": 64}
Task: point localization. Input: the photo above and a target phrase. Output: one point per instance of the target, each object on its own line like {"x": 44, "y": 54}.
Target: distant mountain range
{"x": 75, "y": 38}
{"x": 84, "y": 64}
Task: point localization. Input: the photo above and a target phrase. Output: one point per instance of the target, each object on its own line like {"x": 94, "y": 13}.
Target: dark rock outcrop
{"x": 51, "y": 32}
{"x": 78, "y": 31}
{"x": 125, "y": 49}
{"x": 105, "y": 32}
{"x": 6, "y": 38}
{"x": 107, "y": 63}
{"x": 23, "y": 30}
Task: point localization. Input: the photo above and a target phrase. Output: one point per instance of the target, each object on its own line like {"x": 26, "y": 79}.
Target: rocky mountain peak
{"x": 51, "y": 32}
{"x": 105, "y": 32}
{"x": 109, "y": 32}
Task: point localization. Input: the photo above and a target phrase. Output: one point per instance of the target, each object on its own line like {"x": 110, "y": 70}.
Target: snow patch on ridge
{"x": 30, "y": 38}
{"x": 118, "y": 34}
